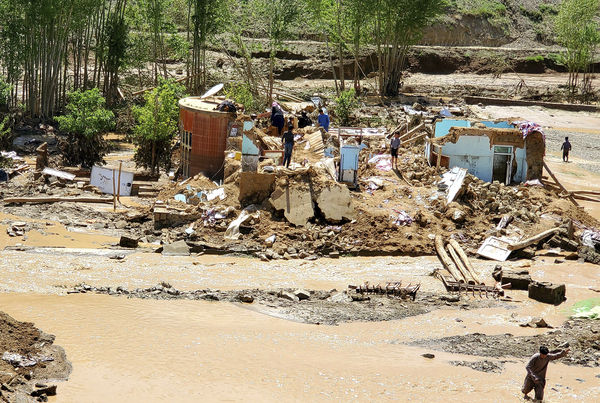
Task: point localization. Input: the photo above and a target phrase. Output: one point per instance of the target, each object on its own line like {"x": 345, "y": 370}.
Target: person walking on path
{"x": 394, "y": 145}
{"x": 323, "y": 120}
{"x": 288, "y": 146}
{"x": 566, "y": 147}
{"x": 536, "y": 372}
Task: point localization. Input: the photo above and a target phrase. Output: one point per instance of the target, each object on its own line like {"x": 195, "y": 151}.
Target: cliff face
{"x": 494, "y": 23}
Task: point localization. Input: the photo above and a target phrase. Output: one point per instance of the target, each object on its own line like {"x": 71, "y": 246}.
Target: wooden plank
{"x": 465, "y": 259}
{"x": 536, "y": 238}
{"x": 560, "y": 185}
{"x": 461, "y": 268}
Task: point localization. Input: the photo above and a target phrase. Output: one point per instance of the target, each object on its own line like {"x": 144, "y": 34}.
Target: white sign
{"x": 102, "y": 178}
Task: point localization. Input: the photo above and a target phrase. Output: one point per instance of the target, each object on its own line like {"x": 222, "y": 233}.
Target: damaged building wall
{"x": 476, "y": 154}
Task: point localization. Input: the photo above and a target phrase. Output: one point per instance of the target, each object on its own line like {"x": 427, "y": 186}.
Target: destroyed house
{"x": 510, "y": 151}
{"x": 204, "y": 131}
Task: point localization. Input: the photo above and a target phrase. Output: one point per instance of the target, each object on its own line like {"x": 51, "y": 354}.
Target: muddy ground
{"x": 581, "y": 336}
{"x": 30, "y": 363}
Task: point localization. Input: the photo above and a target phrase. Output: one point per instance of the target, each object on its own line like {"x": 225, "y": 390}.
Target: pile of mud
{"x": 307, "y": 306}
{"x": 29, "y": 360}
{"x": 580, "y": 335}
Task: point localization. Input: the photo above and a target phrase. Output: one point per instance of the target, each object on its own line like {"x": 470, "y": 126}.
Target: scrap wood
{"x": 585, "y": 198}
{"x": 536, "y": 238}
{"x": 413, "y": 139}
{"x": 560, "y": 185}
{"x": 41, "y": 200}
{"x": 411, "y": 132}
{"x": 465, "y": 259}
{"x": 445, "y": 259}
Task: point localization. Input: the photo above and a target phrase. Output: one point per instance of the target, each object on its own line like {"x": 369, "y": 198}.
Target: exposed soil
{"x": 30, "y": 359}
{"x": 581, "y": 336}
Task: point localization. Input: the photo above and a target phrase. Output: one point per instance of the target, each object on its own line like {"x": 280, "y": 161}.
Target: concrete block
{"x": 335, "y": 202}
{"x": 128, "y": 242}
{"x": 518, "y": 279}
{"x": 179, "y": 248}
{"x": 547, "y": 292}
{"x": 255, "y": 187}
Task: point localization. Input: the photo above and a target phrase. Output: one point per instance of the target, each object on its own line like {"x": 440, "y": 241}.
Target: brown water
{"x": 145, "y": 350}
{"x": 155, "y": 351}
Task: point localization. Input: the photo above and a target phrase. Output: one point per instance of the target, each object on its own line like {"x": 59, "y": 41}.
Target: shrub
{"x": 346, "y": 103}
{"x": 242, "y": 94}
{"x": 84, "y": 123}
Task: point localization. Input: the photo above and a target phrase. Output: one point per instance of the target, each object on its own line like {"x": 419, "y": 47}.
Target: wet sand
{"x": 155, "y": 351}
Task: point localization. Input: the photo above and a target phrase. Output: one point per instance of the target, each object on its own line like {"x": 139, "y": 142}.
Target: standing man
{"x": 566, "y": 147}
{"x": 323, "y": 119}
{"x": 536, "y": 372}
{"x": 288, "y": 146}
{"x": 394, "y": 145}
{"x": 277, "y": 118}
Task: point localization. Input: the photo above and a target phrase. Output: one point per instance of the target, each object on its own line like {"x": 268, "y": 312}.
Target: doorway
{"x": 502, "y": 164}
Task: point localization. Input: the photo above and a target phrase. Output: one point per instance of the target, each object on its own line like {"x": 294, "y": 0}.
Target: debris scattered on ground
{"x": 482, "y": 366}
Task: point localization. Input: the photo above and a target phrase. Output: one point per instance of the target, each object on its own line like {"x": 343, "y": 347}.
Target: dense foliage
{"x": 157, "y": 125}
{"x": 86, "y": 120}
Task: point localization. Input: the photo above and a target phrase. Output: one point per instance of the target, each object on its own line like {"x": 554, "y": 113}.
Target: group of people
{"x": 287, "y": 138}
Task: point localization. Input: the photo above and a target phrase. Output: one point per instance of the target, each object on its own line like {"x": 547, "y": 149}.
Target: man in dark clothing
{"x": 288, "y": 146}
{"x": 277, "y": 118}
{"x": 304, "y": 121}
{"x": 536, "y": 372}
{"x": 394, "y": 145}
{"x": 566, "y": 147}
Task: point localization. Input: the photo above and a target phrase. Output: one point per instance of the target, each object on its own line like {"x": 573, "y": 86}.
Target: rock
{"x": 340, "y": 297}
{"x": 247, "y": 298}
{"x": 48, "y": 391}
{"x": 128, "y": 242}
{"x": 179, "y": 248}
{"x": 536, "y": 323}
{"x": 518, "y": 279}
{"x": 121, "y": 224}
{"x": 263, "y": 257}
{"x": 547, "y": 292}
{"x": 302, "y": 294}
{"x": 428, "y": 355}
{"x": 450, "y": 298}
{"x": 334, "y": 254}
{"x": 458, "y": 216}
{"x": 289, "y": 296}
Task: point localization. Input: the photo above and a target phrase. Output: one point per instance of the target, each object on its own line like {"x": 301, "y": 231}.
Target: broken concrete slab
{"x": 335, "y": 202}
{"x": 255, "y": 187}
{"x": 179, "y": 248}
{"x": 302, "y": 294}
{"x": 289, "y": 296}
{"x": 296, "y": 202}
{"x": 548, "y": 293}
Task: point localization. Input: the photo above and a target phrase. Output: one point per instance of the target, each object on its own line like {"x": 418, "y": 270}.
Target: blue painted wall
{"x": 442, "y": 127}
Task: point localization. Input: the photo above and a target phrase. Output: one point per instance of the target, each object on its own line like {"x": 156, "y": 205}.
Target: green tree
{"x": 399, "y": 24}
{"x": 577, "y": 30}
{"x": 157, "y": 125}
{"x": 85, "y": 122}
{"x": 208, "y": 18}
{"x": 346, "y": 103}
{"x": 275, "y": 20}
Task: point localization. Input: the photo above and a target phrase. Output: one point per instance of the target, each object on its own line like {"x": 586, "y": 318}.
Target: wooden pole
{"x": 119, "y": 183}
{"x": 570, "y": 196}
{"x": 461, "y": 268}
{"x": 445, "y": 259}
{"x": 114, "y": 192}
{"x": 536, "y": 238}
{"x": 465, "y": 259}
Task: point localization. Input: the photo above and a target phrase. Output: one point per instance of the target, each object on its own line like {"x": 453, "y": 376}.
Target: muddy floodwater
{"x": 135, "y": 350}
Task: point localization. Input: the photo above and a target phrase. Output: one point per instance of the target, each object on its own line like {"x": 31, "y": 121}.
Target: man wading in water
{"x": 536, "y": 372}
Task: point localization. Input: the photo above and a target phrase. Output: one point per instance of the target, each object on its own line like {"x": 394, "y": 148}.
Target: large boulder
{"x": 335, "y": 202}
